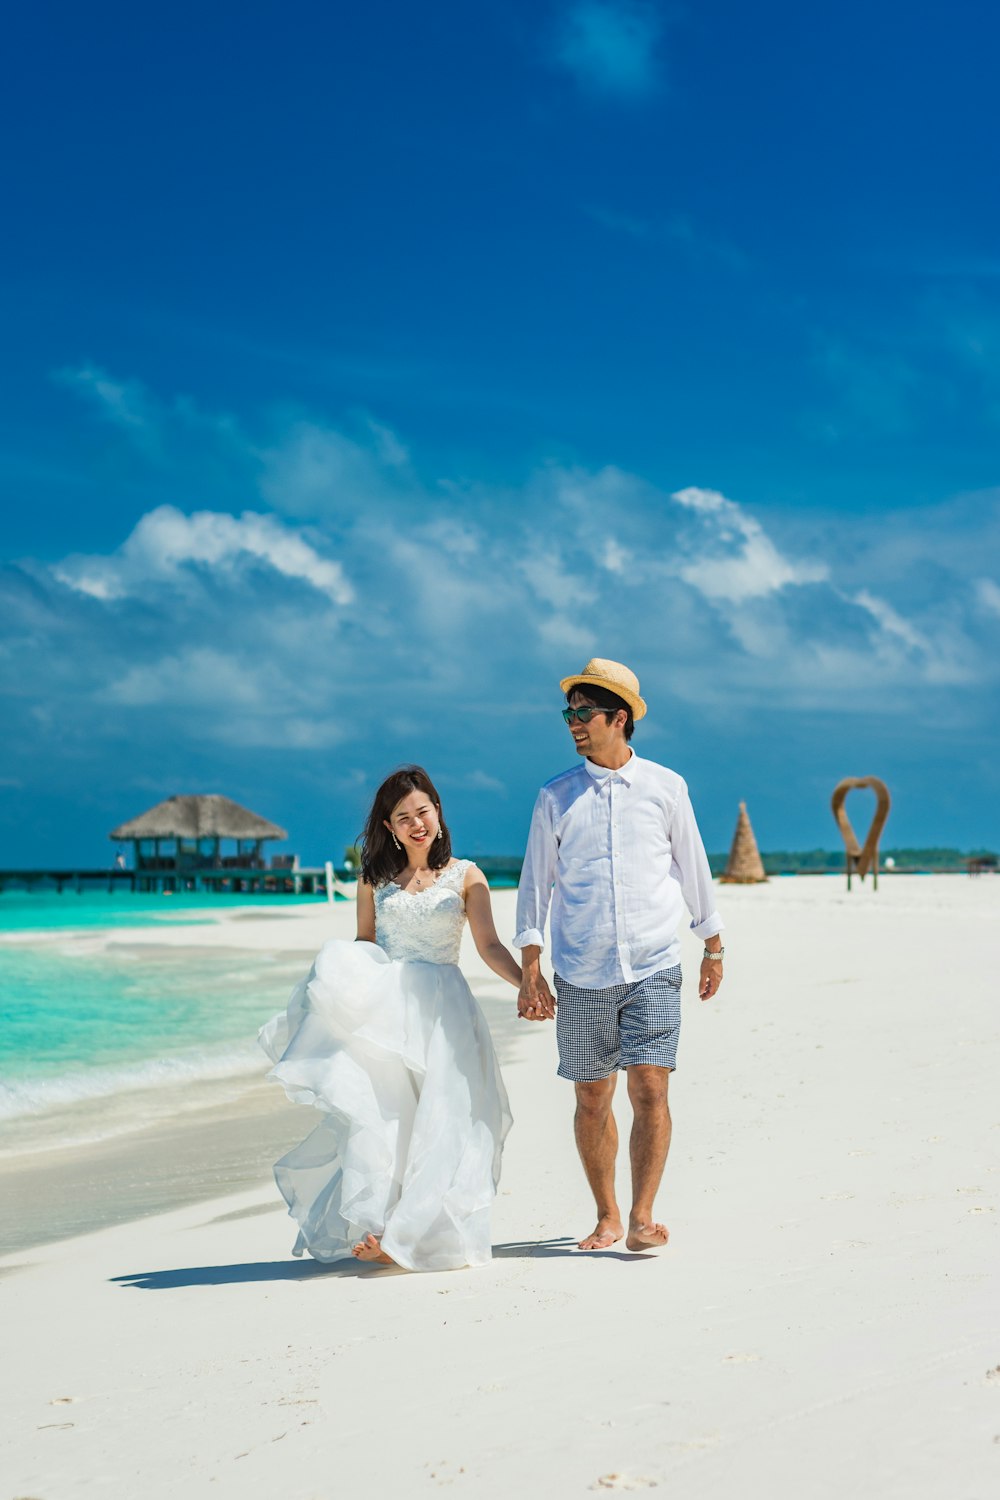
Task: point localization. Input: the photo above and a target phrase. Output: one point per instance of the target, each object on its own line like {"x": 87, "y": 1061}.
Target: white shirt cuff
{"x": 529, "y": 938}
{"x": 709, "y": 927}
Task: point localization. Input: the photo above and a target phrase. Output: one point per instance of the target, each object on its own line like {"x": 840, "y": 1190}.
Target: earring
{"x": 398, "y": 845}
{"x": 440, "y": 832}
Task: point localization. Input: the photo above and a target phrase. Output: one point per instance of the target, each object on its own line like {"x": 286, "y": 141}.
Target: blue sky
{"x": 369, "y": 368}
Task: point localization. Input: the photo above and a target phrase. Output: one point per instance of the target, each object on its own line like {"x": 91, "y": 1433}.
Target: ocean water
{"x": 84, "y": 1021}
{"x": 31, "y": 911}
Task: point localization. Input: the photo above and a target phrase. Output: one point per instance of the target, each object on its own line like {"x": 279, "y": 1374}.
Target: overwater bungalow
{"x": 178, "y": 844}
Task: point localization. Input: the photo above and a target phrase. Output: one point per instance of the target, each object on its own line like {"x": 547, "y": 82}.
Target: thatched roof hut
{"x": 192, "y": 830}
{"x": 744, "y": 866}
{"x": 205, "y": 817}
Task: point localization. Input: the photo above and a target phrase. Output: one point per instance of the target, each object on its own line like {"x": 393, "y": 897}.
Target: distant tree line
{"x": 833, "y": 861}
{"x": 504, "y": 869}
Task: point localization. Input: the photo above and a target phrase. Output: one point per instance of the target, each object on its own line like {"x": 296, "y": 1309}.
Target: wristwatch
{"x": 719, "y": 953}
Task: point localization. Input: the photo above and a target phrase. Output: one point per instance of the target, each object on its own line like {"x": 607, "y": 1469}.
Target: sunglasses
{"x": 584, "y": 714}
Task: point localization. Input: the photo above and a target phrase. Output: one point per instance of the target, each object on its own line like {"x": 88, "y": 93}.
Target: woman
{"x": 385, "y": 1038}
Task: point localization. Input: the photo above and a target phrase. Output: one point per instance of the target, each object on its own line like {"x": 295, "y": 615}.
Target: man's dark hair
{"x": 605, "y": 700}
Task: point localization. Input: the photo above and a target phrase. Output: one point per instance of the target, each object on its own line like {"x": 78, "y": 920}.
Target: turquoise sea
{"x": 84, "y": 1020}
{"x": 29, "y": 911}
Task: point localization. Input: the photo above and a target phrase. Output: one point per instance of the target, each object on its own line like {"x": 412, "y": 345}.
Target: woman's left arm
{"x": 479, "y": 911}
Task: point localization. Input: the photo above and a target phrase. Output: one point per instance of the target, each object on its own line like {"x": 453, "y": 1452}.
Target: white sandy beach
{"x": 823, "y": 1323}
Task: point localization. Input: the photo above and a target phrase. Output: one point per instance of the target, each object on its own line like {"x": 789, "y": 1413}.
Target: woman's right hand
{"x": 535, "y": 1001}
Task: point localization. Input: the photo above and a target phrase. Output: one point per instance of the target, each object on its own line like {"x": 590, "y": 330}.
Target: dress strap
{"x": 455, "y": 876}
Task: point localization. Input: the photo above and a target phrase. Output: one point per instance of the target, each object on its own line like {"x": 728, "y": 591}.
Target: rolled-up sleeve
{"x": 534, "y": 890}
{"x": 691, "y": 868}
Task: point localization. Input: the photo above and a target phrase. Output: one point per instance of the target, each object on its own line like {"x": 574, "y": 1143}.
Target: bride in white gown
{"x": 385, "y": 1038}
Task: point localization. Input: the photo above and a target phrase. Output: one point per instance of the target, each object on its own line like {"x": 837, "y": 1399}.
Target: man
{"x": 614, "y": 845}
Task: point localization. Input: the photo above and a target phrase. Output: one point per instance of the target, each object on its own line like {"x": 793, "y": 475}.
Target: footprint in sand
{"x": 445, "y": 1472}
{"x": 624, "y": 1482}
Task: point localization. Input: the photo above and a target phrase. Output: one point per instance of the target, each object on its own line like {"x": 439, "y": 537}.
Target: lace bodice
{"x": 425, "y": 925}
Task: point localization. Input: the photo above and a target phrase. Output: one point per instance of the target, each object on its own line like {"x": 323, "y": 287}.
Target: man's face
{"x": 599, "y": 736}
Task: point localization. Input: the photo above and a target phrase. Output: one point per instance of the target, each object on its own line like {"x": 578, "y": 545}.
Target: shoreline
{"x": 109, "y": 1140}
{"x": 139, "y": 1150}
{"x": 822, "y": 1322}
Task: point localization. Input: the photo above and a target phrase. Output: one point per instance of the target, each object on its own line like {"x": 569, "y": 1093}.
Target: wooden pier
{"x": 245, "y": 880}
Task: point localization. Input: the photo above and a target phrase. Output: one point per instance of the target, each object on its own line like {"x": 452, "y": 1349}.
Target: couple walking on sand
{"x": 385, "y": 1038}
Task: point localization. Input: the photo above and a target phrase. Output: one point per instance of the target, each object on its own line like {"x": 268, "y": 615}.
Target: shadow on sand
{"x": 253, "y": 1270}
{"x": 540, "y": 1249}
{"x": 304, "y": 1270}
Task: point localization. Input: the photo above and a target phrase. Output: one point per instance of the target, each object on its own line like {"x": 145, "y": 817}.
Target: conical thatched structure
{"x": 744, "y": 866}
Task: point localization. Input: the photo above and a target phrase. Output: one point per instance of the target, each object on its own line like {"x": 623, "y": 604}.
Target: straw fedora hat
{"x": 613, "y": 676}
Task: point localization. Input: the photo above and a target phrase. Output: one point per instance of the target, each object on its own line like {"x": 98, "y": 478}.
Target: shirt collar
{"x": 601, "y": 773}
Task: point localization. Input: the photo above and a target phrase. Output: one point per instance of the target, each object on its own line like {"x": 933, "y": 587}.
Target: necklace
{"x": 417, "y": 881}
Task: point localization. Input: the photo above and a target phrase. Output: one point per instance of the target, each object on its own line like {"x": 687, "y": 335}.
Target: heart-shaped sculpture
{"x": 861, "y": 857}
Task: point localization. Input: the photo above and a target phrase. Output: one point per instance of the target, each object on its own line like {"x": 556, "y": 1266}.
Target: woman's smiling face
{"x": 415, "y": 822}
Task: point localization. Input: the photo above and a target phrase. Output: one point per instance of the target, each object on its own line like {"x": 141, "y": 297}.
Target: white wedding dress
{"x": 389, "y": 1043}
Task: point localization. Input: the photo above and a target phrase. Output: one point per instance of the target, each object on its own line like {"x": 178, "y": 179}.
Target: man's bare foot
{"x": 647, "y": 1236}
{"x": 370, "y": 1249}
{"x": 609, "y": 1229}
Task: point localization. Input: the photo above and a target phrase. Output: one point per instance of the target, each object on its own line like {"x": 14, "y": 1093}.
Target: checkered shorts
{"x": 600, "y": 1031}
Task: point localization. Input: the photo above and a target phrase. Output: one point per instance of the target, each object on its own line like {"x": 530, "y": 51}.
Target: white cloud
{"x": 123, "y": 402}
{"x": 558, "y": 631}
{"x": 480, "y": 781}
{"x": 875, "y": 390}
{"x": 317, "y": 470}
{"x": 739, "y": 561}
{"x": 234, "y": 697}
{"x": 988, "y": 595}
{"x": 166, "y": 543}
{"x": 679, "y": 232}
{"x": 610, "y": 48}
{"x": 407, "y": 594}
{"x": 890, "y": 621}
{"x": 200, "y": 677}
{"x": 279, "y": 731}
{"x": 615, "y": 558}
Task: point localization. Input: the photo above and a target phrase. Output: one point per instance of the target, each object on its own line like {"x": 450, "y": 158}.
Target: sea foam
{"x": 37, "y": 1095}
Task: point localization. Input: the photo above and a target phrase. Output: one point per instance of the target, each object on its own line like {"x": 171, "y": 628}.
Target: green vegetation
{"x": 503, "y": 869}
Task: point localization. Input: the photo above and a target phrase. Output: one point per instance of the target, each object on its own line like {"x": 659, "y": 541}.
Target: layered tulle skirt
{"x": 398, "y": 1058}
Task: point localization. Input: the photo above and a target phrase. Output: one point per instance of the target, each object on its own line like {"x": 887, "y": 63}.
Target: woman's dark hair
{"x": 381, "y": 861}
{"x": 607, "y": 701}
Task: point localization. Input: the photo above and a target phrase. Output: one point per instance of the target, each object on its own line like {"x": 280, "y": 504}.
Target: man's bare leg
{"x": 597, "y": 1143}
{"x": 648, "y": 1147}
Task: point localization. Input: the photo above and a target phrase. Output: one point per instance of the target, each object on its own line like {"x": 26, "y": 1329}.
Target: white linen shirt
{"x": 617, "y": 853}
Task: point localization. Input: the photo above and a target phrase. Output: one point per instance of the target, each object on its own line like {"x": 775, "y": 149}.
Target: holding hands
{"x": 535, "y": 1001}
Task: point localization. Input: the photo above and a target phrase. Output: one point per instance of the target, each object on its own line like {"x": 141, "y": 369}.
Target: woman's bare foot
{"x": 609, "y": 1229}
{"x": 647, "y": 1236}
{"x": 370, "y": 1249}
